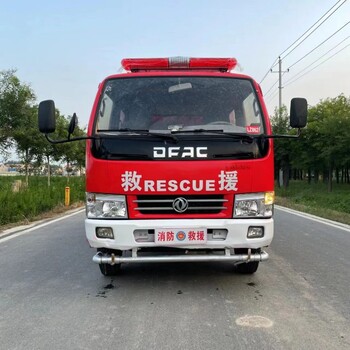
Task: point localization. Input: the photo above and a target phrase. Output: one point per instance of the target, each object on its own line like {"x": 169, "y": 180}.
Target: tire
{"x": 247, "y": 268}
{"x": 107, "y": 269}
{"x": 110, "y": 270}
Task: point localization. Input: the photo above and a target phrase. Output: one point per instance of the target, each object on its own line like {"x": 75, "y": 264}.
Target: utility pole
{"x": 284, "y": 170}
{"x": 279, "y": 83}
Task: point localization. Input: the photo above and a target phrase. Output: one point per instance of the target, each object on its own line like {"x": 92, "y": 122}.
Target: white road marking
{"x": 318, "y": 219}
{"x": 25, "y": 231}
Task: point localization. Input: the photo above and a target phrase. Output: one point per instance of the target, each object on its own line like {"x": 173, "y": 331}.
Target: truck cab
{"x": 179, "y": 165}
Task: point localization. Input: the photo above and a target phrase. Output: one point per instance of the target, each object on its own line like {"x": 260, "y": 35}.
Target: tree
{"x": 46, "y": 151}
{"x": 323, "y": 146}
{"x": 329, "y": 127}
{"x": 26, "y": 137}
{"x": 283, "y": 147}
{"x": 73, "y": 153}
{"x": 15, "y": 98}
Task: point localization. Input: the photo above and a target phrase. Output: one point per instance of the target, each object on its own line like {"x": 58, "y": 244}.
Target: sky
{"x": 64, "y": 49}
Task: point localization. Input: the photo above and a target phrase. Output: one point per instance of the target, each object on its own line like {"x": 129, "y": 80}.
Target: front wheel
{"x": 107, "y": 269}
{"x": 247, "y": 268}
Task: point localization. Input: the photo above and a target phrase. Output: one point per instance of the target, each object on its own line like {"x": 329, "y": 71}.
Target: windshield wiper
{"x": 242, "y": 155}
{"x": 128, "y": 156}
{"x": 217, "y": 131}
{"x": 141, "y": 132}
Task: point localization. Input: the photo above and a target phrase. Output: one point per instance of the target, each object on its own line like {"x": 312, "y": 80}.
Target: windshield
{"x": 169, "y": 104}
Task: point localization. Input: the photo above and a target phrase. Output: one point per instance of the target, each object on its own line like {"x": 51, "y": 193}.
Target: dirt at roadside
{"x": 56, "y": 212}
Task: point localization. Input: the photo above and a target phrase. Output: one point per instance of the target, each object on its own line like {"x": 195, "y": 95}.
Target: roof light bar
{"x": 213, "y": 63}
{"x": 136, "y": 64}
{"x": 132, "y": 64}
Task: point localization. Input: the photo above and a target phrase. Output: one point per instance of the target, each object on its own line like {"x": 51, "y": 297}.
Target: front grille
{"x": 197, "y": 204}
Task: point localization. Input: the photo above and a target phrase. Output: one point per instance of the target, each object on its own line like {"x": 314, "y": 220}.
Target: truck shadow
{"x": 178, "y": 278}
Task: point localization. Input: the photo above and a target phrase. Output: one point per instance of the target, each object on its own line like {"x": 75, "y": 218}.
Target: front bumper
{"x": 124, "y": 230}
{"x": 112, "y": 259}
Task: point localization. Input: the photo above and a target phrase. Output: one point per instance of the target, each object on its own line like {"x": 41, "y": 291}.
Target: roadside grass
{"x": 315, "y": 199}
{"x": 30, "y": 203}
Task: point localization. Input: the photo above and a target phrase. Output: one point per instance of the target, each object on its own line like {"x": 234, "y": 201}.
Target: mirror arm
{"x": 69, "y": 139}
{"x": 282, "y": 136}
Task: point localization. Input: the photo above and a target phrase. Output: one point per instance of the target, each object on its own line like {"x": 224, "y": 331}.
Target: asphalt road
{"x": 52, "y": 296}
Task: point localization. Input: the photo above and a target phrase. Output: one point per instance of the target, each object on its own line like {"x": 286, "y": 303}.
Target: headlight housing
{"x": 105, "y": 206}
{"x": 254, "y": 205}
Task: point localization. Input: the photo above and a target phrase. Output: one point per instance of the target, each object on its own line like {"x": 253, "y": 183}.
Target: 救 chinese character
{"x": 191, "y": 236}
{"x": 131, "y": 181}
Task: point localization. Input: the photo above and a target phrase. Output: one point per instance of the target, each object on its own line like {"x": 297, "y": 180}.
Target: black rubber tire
{"x": 107, "y": 269}
{"x": 110, "y": 270}
{"x": 247, "y": 268}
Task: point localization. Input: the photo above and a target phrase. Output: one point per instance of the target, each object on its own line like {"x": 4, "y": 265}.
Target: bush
{"x": 315, "y": 199}
{"x": 37, "y": 198}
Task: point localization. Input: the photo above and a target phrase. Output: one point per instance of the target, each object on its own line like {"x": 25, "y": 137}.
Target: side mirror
{"x": 46, "y": 117}
{"x": 298, "y": 112}
{"x": 72, "y": 124}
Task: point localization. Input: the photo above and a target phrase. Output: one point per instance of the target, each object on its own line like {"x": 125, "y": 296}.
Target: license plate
{"x": 172, "y": 236}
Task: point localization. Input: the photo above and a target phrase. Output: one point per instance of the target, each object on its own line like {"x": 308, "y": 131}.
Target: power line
{"x": 344, "y": 1}
{"x": 273, "y": 64}
{"x": 300, "y": 59}
{"x": 274, "y": 84}
{"x": 317, "y": 65}
{"x": 267, "y": 92}
{"x": 276, "y": 60}
{"x": 272, "y": 97}
{"x": 303, "y": 70}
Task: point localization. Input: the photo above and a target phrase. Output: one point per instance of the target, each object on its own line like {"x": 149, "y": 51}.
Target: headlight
{"x": 254, "y": 205}
{"x": 105, "y": 206}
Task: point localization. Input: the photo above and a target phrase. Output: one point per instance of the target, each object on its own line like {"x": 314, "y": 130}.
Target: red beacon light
{"x": 172, "y": 63}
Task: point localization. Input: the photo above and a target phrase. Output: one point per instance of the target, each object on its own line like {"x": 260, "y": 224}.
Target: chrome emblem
{"x": 180, "y": 204}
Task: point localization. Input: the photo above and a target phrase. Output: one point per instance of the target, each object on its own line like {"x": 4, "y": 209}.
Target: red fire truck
{"x": 179, "y": 164}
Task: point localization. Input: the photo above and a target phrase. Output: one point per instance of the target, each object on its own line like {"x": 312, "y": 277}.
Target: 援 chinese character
{"x": 228, "y": 180}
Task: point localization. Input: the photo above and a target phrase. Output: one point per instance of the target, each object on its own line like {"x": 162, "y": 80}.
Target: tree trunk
{"x": 48, "y": 172}
{"x": 330, "y": 177}
{"x": 277, "y": 172}
{"x": 309, "y": 176}
{"x": 325, "y": 173}
{"x": 68, "y": 171}
{"x": 26, "y": 167}
{"x": 337, "y": 175}
{"x": 285, "y": 175}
